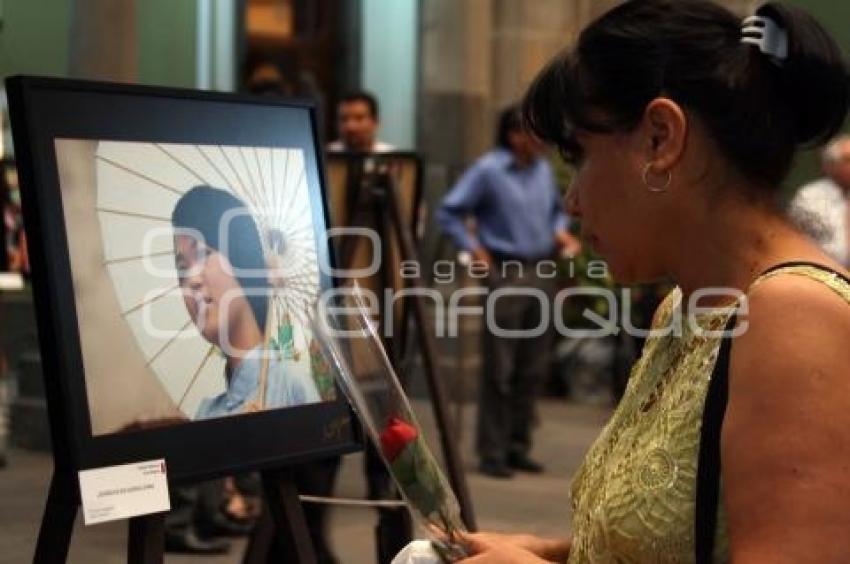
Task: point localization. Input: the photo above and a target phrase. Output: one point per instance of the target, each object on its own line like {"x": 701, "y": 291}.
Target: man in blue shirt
{"x": 511, "y": 194}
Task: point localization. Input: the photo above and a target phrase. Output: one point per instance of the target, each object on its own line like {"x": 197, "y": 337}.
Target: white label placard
{"x": 11, "y": 281}
{"x": 121, "y": 492}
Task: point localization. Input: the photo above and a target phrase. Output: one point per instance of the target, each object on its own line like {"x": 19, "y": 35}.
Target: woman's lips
{"x": 202, "y": 305}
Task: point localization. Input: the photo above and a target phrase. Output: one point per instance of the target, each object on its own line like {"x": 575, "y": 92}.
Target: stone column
{"x": 104, "y": 40}
{"x": 103, "y": 46}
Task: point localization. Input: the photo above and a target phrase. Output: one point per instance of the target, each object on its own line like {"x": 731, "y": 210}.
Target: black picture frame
{"x": 45, "y": 109}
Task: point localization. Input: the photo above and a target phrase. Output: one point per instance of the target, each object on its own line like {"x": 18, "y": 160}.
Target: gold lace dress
{"x": 633, "y": 498}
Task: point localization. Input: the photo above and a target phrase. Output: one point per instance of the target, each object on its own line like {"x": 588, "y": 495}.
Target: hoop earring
{"x": 656, "y": 189}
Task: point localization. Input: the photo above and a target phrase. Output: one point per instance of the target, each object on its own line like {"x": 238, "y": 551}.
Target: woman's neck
{"x": 245, "y": 336}
{"x": 729, "y": 246}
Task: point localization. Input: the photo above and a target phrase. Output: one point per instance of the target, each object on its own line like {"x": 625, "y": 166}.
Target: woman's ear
{"x": 665, "y": 128}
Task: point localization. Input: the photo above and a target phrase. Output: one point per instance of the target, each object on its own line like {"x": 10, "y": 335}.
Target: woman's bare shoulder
{"x": 786, "y": 435}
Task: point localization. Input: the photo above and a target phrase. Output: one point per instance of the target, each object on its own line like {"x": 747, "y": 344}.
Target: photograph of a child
{"x": 195, "y": 270}
{"x": 220, "y": 309}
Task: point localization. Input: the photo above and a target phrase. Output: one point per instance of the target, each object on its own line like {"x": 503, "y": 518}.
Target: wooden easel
{"x": 146, "y": 534}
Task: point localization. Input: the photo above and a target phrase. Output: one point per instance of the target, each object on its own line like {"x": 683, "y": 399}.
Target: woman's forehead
{"x": 185, "y": 240}
{"x": 188, "y": 243}
{"x": 188, "y": 237}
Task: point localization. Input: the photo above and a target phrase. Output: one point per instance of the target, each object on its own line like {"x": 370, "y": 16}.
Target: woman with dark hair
{"x": 222, "y": 272}
{"x": 682, "y": 121}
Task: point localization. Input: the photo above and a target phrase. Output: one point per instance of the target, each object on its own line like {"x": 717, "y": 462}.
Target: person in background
{"x": 519, "y": 219}
{"x": 196, "y": 523}
{"x": 13, "y": 243}
{"x": 282, "y": 78}
{"x": 358, "y": 122}
{"x": 822, "y": 207}
{"x": 7, "y": 222}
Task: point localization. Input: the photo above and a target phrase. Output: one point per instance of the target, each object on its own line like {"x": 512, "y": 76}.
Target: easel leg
{"x": 393, "y": 532}
{"x": 260, "y": 541}
{"x": 394, "y": 529}
{"x": 146, "y": 539}
{"x": 285, "y": 508}
{"x": 57, "y": 523}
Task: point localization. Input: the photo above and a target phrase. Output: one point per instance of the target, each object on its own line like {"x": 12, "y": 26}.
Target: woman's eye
{"x": 186, "y": 269}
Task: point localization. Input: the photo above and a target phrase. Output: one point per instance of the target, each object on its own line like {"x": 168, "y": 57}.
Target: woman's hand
{"x": 494, "y": 548}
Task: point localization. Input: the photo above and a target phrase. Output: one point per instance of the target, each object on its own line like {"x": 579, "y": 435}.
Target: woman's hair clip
{"x": 767, "y": 35}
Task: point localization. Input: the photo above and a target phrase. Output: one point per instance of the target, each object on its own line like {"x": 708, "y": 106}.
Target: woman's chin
{"x": 209, "y": 333}
{"x": 212, "y": 338}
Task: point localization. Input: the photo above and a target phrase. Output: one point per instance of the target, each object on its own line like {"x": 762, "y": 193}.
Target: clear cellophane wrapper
{"x": 353, "y": 349}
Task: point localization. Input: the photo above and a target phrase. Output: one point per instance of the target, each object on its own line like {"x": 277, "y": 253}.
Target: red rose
{"x": 396, "y": 436}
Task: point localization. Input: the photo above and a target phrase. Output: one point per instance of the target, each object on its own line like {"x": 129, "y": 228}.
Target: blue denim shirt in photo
{"x": 287, "y": 384}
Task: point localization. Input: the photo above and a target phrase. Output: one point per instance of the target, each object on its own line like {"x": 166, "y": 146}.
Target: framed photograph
{"x": 178, "y": 247}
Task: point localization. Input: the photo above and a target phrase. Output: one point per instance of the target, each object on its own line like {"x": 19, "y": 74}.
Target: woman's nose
{"x": 194, "y": 280}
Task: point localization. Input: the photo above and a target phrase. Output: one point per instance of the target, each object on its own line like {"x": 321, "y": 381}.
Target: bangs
{"x": 559, "y": 103}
